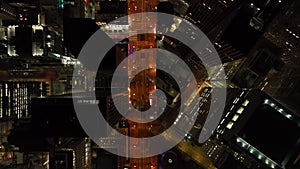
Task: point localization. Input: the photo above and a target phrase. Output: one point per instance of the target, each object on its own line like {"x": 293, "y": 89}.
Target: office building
{"x": 259, "y": 126}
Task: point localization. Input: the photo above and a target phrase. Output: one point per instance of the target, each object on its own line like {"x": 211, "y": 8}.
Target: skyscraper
{"x": 261, "y": 127}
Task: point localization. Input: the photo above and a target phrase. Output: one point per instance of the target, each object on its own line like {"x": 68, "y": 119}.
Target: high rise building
{"x": 26, "y": 41}
{"x": 15, "y": 98}
{"x": 256, "y": 125}
{"x": 111, "y": 9}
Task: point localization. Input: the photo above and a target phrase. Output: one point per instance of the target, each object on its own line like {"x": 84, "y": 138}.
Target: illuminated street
{"x": 144, "y": 82}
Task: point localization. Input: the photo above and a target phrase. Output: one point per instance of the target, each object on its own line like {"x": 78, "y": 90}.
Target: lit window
{"x": 289, "y": 116}
{"x": 267, "y": 161}
{"x": 229, "y": 125}
{"x": 266, "y": 101}
{"x": 240, "y": 110}
{"x": 259, "y": 156}
{"x": 235, "y": 117}
{"x": 246, "y": 102}
{"x": 236, "y": 100}
{"x": 227, "y": 114}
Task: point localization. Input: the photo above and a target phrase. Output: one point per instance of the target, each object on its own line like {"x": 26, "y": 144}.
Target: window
{"x": 229, "y": 125}
{"x": 246, "y": 102}
{"x": 240, "y": 110}
{"x": 235, "y": 117}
